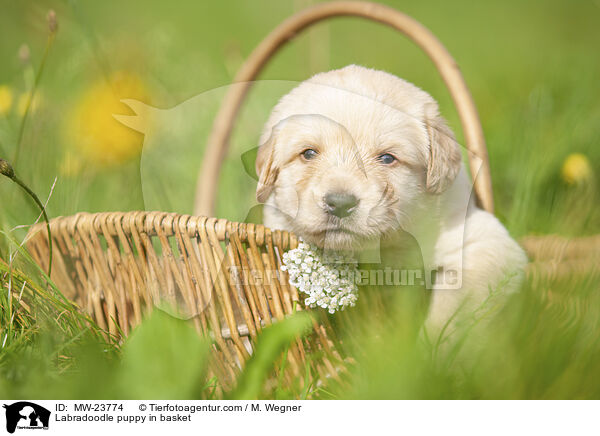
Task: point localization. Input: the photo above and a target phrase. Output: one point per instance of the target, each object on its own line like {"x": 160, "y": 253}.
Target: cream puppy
{"x": 351, "y": 156}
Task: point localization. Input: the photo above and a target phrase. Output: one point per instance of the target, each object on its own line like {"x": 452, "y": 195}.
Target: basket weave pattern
{"x": 226, "y": 276}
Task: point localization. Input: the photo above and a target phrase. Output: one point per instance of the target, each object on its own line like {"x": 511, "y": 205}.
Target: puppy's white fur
{"x": 350, "y": 117}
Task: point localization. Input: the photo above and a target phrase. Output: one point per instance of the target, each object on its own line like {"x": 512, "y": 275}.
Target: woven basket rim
{"x": 170, "y": 223}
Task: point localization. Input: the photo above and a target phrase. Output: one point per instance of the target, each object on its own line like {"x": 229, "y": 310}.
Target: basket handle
{"x": 218, "y": 142}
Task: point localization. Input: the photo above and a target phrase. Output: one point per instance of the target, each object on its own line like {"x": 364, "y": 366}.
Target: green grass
{"x": 532, "y": 69}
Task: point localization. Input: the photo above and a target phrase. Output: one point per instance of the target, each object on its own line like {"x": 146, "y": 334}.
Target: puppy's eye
{"x": 309, "y": 154}
{"x": 386, "y": 159}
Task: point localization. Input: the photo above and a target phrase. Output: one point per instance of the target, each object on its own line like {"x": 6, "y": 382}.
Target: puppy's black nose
{"x": 340, "y": 204}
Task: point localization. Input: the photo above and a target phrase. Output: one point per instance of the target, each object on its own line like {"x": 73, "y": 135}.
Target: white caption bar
{"x": 22, "y": 417}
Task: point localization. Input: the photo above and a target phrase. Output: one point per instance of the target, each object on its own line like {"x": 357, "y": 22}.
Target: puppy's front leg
{"x": 491, "y": 267}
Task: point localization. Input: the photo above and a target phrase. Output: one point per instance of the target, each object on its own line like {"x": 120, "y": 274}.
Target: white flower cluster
{"x": 327, "y": 278}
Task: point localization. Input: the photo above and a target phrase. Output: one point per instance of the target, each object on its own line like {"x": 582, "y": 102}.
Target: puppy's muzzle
{"x": 340, "y": 204}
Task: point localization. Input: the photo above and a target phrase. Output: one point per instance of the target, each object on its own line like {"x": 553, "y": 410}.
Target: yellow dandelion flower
{"x": 576, "y": 169}
{"x": 6, "y": 100}
{"x": 95, "y": 133}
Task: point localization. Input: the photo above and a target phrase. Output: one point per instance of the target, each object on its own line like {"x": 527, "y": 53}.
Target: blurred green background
{"x": 532, "y": 67}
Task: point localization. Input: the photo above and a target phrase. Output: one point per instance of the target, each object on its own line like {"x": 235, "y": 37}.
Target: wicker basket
{"x": 115, "y": 265}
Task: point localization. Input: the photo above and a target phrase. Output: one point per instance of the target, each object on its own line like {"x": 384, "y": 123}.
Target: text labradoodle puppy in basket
{"x": 353, "y": 155}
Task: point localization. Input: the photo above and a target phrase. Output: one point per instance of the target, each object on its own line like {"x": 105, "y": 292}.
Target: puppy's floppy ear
{"x": 266, "y": 170}
{"x": 444, "y": 153}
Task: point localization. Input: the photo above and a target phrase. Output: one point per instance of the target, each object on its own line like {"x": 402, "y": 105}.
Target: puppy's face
{"x": 341, "y": 168}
